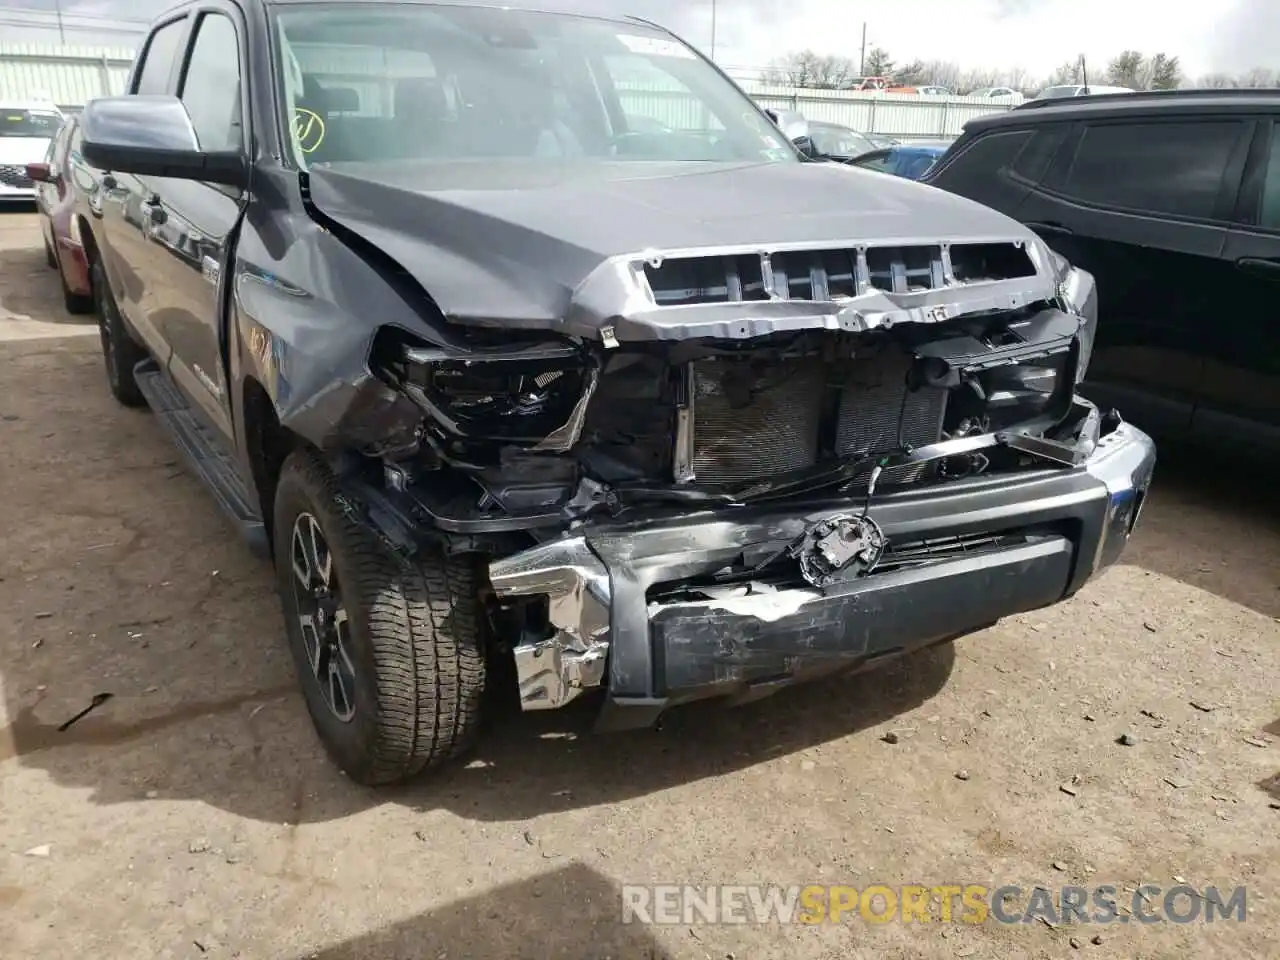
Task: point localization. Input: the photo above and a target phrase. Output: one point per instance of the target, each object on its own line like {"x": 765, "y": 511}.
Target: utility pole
{"x": 862, "y": 57}
{"x": 57, "y": 6}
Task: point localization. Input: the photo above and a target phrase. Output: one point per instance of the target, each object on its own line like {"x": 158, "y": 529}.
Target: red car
{"x": 56, "y": 186}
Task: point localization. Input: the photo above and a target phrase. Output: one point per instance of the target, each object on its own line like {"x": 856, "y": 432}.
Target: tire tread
{"x": 423, "y": 627}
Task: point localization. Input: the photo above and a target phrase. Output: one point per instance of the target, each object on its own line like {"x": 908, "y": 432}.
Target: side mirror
{"x": 792, "y": 123}
{"x": 805, "y": 145}
{"x": 40, "y": 173}
{"x": 152, "y": 135}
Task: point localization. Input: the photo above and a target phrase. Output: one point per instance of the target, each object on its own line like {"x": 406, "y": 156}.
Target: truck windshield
{"x": 28, "y": 123}
{"x": 372, "y": 82}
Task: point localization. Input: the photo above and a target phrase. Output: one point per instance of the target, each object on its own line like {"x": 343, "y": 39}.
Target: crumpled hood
{"x": 511, "y": 242}
{"x": 23, "y": 150}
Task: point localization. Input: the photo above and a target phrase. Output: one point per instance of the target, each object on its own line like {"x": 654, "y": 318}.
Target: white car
{"x": 1077, "y": 90}
{"x": 27, "y": 129}
{"x": 1002, "y": 94}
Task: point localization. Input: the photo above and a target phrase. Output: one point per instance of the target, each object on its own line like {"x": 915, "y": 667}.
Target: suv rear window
{"x": 1171, "y": 168}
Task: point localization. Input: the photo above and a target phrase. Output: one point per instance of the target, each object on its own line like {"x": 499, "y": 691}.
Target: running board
{"x": 203, "y": 453}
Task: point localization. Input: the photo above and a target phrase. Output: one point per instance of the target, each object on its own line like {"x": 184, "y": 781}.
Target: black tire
{"x": 119, "y": 351}
{"x": 413, "y": 638}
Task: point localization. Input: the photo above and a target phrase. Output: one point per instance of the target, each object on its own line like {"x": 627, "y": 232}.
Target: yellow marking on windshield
{"x": 308, "y": 127}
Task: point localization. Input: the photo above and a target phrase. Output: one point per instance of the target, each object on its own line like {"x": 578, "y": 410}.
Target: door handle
{"x": 1055, "y": 229}
{"x": 1258, "y": 267}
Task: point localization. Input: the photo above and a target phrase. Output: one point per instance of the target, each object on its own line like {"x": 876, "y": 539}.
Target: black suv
{"x": 1172, "y": 201}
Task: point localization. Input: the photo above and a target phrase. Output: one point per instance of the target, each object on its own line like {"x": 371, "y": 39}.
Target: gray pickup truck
{"x": 526, "y": 344}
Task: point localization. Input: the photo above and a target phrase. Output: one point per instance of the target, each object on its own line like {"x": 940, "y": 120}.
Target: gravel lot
{"x": 194, "y": 814}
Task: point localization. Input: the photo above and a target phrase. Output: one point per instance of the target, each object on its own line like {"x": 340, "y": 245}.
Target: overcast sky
{"x": 1038, "y": 35}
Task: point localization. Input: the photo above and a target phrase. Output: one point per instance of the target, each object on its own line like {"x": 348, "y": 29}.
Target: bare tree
{"x": 1259, "y": 77}
{"x": 808, "y": 69}
{"x": 1217, "y": 81}
{"x": 1132, "y": 68}
{"x": 978, "y": 79}
{"x": 943, "y": 73}
{"x": 914, "y": 74}
{"x": 1016, "y": 78}
{"x": 1066, "y": 73}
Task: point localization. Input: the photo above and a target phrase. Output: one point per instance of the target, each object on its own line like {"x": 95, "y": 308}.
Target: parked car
{"x": 866, "y": 83}
{"x": 1003, "y": 94}
{"x": 58, "y": 179}
{"x": 1077, "y": 90}
{"x": 497, "y": 380}
{"x": 909, "y": 160}
{"x": 26, "y": 129}
{"x": 1172, "y": 200}
{"x": 934, "y": 91}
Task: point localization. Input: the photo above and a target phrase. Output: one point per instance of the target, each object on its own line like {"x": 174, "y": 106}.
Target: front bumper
{"x": 1059, "y": 527}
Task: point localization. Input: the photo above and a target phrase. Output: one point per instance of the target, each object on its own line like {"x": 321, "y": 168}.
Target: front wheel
{"x": 389, "y": 655}
{"x": 119, "y": 351}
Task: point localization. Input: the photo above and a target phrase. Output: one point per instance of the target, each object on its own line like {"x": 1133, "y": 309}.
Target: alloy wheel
{"x": 322, "y": 617}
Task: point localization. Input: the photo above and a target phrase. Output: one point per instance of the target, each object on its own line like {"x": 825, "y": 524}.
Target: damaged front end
{"x": 726, "y": 471}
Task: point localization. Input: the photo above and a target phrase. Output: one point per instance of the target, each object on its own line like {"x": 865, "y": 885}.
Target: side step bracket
{"x": 203, "y": 454}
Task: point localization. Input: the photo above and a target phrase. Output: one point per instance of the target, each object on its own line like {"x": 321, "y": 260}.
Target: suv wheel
{"x": 119, "y": 351}
{"x": 389, "y": 655}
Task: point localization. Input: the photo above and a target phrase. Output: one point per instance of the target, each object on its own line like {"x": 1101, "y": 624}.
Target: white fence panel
{"x": 69, "y": 76}
{"x": 896, "y": 114}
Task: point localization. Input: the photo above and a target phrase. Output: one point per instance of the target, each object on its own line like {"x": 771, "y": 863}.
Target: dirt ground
{"x": 193, "y": 815}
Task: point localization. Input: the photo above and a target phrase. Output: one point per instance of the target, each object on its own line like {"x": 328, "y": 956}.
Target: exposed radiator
{"x": 755, "y": 419}
{"x": 874, "y": 399}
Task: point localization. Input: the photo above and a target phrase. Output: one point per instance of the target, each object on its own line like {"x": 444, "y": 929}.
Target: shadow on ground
{"x": 1212, "y": 522}
{"x": 31, "y": 287}
{"x": 572, "y": 912}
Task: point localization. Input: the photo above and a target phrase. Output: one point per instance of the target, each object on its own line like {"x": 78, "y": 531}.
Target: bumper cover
{"x": 653, "y": 654}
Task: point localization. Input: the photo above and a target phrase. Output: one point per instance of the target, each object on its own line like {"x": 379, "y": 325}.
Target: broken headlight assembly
{"x": 1024, "y": 392}
{"x": 499, "y": 400}
{"x": 532, "y": 394}
{"x": 1079, "y": 295}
